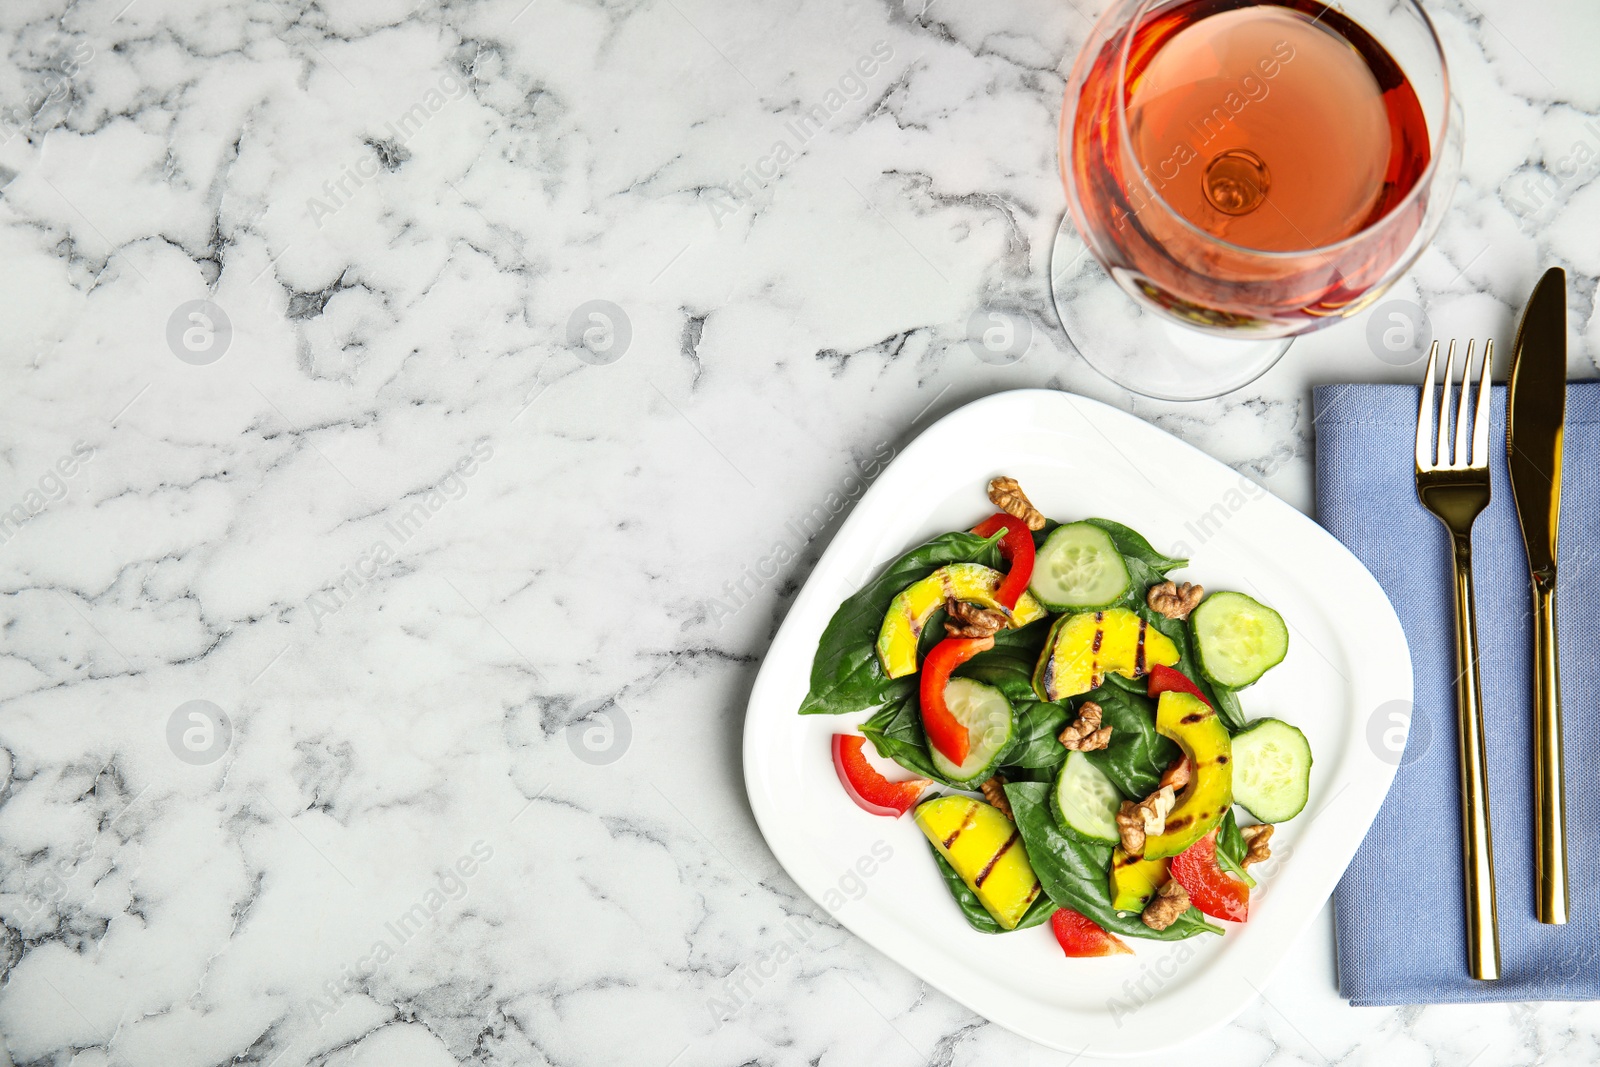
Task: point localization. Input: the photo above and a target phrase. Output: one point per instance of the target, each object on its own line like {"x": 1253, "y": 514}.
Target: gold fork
{"x": 1454, "y": 485}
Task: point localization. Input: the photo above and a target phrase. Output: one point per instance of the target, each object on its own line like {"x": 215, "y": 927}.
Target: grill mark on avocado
{"x": 977, "y": 883}
{"x": 1138, "y": 651}
{"x": 1096, "y": 675}
{"x": 966, "y": 822}
{"x": 1222, "y": 759}
{"x": 1193, "y": 717}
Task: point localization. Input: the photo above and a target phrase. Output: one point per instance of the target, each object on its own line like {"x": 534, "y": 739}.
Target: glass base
{"x": 1138, "y": 348}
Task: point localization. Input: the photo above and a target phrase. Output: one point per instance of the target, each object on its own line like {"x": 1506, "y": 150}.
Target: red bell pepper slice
{"x": 944, "y": 730}
{"x": 1211, "y": 889}
{"x": 870, "y": 790}
{"x": 1171, "y": 680}
{"x": 1080, "y": 936}
{"x": 1016, "y": 548}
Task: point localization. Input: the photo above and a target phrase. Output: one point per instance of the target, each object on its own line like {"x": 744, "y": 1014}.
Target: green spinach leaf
{"x": 1143, "y": 577}
{"x": 846, "y": 675}
{"x": 895, "y": 730}
{"x": 1231, "y": 848}
{"x": 1025, "y": 644}
{"x": 977, "y": 915}
{"x": 1075, "y": 873}
{"x": 1132, "y": 543}
{"x": 1008, "y": 667}
{"x": 1047, "y": 775}
{"x": 1229, "y": 710}
{"x": 1137, "y": 686}
{"x": 1137, "y": 756}
{"x": 1035, "y": 743}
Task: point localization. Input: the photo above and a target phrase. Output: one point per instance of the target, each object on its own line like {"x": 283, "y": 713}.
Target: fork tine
{"x": 1425, "y": 413}
{"x": 1480, "y": 422}
{"x": 1443, "y": 461}
{"x": 1464, "y": 411}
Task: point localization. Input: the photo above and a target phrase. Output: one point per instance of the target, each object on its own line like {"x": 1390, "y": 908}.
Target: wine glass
{"x": 1246, "y": 171}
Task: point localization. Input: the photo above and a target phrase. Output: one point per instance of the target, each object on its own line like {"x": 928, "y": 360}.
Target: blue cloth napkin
{"x": 1399, "y": 908}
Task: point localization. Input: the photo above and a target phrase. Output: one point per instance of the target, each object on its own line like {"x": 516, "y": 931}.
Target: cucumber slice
{"x": 1238, "y": 639}
{"x": 1078, "y": 568}
{"x": 1271, "y": 770}
{"x": 1085, "y": 801}
{"x": 986, "y": 713}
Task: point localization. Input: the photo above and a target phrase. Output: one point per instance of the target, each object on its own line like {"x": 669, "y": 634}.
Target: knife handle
{"x": 1477, "y": 846}
{"x": 1549, "y": 774}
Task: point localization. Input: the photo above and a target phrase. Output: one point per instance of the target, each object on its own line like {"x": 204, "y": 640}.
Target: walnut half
{"x": 1170, "y": 901}
{"x": 994, "y": 792}
{"x": 1173, "y": 600}
{"x": 969, "y": 620}
{"x": 1085, "y": 734}
{"x": 1135, "y": 822}
{"x": 1007, "y": 495}
{"x": 1256, "y": 838}
{"x": 1130, "y": 827}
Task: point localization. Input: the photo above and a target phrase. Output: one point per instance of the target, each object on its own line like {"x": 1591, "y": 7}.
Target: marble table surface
{"x": 351, "y": 600}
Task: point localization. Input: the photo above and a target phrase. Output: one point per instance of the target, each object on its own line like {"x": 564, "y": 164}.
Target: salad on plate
{"x": 1081, "y": 712}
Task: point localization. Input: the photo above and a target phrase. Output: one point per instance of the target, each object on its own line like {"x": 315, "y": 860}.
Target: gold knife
{"x": 1536, "y": 413}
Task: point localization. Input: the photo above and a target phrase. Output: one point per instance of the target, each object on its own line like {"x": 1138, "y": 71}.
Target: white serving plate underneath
{"x": 1077, "y": 458}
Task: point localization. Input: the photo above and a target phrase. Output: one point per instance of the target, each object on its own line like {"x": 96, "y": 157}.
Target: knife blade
{"x": 1536, "y": 410}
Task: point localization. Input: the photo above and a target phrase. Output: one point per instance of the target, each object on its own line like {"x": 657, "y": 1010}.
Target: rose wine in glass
{"x": 1252, "y": 170}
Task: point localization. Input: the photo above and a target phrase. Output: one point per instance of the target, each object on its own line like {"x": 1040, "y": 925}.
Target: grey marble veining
{"x": 300, "y": 422}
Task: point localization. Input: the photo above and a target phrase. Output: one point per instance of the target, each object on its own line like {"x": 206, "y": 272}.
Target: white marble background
{"x": 549, "y": 597}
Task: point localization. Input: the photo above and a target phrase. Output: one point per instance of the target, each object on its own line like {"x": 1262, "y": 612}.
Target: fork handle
{"x": 1483, "y": 932}
{"x": 1549, "y": 800}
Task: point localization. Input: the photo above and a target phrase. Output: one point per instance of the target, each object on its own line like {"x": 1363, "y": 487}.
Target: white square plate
{"x": 1077, "y": 458}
